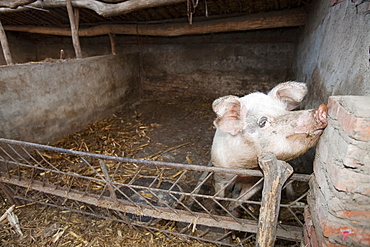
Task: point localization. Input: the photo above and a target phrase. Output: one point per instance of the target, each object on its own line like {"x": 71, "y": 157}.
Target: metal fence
{"x": 141, "y": 193}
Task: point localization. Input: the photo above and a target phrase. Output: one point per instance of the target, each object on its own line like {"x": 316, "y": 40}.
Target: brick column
{"x": 339, "y": 198}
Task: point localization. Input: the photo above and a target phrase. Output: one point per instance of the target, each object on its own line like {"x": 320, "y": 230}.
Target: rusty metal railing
{"x": 142, "y": 193}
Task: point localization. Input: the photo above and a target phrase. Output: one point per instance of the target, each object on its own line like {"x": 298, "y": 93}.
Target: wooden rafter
{"x": 276, "y": 19}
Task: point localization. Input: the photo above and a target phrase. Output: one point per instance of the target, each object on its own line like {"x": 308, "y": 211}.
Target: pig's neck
{"x": 233, "y": 151}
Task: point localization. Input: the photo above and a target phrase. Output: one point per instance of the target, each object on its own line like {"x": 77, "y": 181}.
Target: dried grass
{"x": 120, "y": 135}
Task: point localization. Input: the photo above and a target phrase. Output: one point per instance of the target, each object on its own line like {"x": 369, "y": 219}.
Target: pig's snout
{"x": 321, "y": 115}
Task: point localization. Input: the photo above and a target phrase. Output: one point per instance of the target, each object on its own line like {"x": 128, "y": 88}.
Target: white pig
{"x": 259, "y": 123}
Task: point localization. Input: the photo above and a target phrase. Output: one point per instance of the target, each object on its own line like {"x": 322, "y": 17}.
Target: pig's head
{"x": 259, "y": 123}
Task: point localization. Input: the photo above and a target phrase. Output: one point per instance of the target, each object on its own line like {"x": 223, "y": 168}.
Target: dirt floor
{"x": 176, "y": 130}
{"x": 187, "y": 123}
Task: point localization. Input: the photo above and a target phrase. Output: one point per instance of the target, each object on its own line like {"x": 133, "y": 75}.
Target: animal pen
{"x": 106, "y": 121}
{"x": 152, "y": 195}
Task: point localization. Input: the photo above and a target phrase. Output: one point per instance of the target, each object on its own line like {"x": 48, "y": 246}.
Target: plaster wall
{"x": 208, "y": 65}
{"x": 217, "y": 65}
{"x": 333, "y": 51}
{"x": 41, "y": 102}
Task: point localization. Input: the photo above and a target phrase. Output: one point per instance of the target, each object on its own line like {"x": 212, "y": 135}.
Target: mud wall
{"x": 333, "y": 52}
{"x": 41, "y": 102}
{"x": 217, "y": 65}
{"x": 207, "y": 65}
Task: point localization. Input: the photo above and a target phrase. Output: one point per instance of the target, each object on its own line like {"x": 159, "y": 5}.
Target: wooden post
{"x": 112, "y": 43}
{"x": 5, "y": 46}
{"x": 74, "y": 19}
{"x": 276, "y": 172}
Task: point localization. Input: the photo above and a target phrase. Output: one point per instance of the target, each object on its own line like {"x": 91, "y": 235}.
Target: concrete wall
{"x": 207, "y": 65}
{"x": 217, "y": 65}
{"x": 28, "y": 47}
{"x": 333, "y": 52}
{"x": 41, "y": 102}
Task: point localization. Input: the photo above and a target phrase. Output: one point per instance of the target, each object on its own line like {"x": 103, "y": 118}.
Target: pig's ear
{"x": 291, "y": 93}
{"x": 230, "y": 114}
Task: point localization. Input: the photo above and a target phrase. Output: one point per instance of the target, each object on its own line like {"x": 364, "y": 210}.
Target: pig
{"x": 262, "y": 123}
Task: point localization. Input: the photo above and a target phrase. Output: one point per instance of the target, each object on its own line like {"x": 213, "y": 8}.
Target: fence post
{"x": 276, "y": 172}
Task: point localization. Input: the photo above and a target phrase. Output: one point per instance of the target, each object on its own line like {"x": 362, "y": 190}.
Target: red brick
{"x": 328, "y": 224}
{"x": 336, "y": 155}
{"x": 355, "y": 216}
{"x": 328, "y": 244}
{"x": 358, "y": 156}
{"x": 357, "y": 127}
{"x": 333, "y": 231}
{"x": 345, "y": 179}
{"x": 335, "y": 144}
{"x": 354, "y": 207}
{"x": 309, "y": 234}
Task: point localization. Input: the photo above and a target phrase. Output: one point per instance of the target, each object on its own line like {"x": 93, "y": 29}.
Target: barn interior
{"x": 137, "y": 79}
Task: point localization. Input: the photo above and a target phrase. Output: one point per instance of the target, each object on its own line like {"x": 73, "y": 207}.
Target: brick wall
{"x": 338, "y": 212}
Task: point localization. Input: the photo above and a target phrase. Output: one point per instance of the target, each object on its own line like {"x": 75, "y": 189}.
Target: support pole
{"x": 112, "y": 43}
{"x": 74, "y": 20}
{"x": 5, "y": 46}
{"x": 276, "y": 172}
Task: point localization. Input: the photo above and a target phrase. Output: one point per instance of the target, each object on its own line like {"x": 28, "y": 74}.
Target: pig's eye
{"x": 262, "y": 122}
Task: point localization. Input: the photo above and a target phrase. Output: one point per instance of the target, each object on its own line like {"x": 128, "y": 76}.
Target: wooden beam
{"x": 5, "y": 46}
{"x": 13, "y": 4}
{"x": 101, "y": 8}
{"x": 276, "y": 19}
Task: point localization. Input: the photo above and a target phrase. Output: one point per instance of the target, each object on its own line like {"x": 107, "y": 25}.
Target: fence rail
{"x": 142, "y": 193}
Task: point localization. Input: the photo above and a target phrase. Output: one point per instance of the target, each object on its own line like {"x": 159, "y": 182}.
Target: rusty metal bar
{"x": 257, "y": 173}
{"x": 133, "y": 224}
{"x": 285, "y": 231}
{"x": 108, "y": 179}
{"x": 29, "y": 168}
